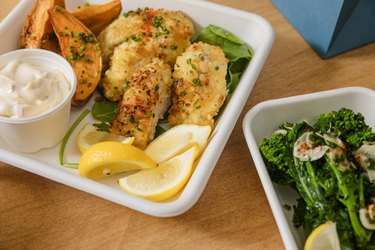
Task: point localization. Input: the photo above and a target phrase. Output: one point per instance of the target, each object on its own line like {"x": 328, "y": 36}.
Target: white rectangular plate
{"x": 251, "y": 28}
{"x": 263, "y": 119}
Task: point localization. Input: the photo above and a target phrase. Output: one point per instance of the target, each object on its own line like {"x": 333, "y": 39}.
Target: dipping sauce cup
{"x": 44, "y": 130}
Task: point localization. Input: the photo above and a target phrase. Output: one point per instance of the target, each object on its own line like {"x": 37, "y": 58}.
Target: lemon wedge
{"x": 177, "y": 140}
{"x": 323, "y": 237}
{"x": 163, "y": 181}
{"x": 89, "y": 135}
{"x": 108, "y": 158}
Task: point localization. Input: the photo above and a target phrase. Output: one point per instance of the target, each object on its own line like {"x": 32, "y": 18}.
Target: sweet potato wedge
{"x": 79, "y": 46}
{"x": 37, "y": 31}
{"x": 97, "y": 17}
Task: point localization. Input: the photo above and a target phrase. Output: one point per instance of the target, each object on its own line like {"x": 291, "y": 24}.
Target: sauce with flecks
{"x": 27, "y": 90}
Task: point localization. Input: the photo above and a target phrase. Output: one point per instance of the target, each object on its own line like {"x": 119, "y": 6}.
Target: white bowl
{"x": 251, "y": 28}
{"x": 45, "y": 130}
{"x": 263, "y": 119}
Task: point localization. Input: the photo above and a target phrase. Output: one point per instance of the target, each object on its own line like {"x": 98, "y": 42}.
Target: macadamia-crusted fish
{"x": 127, "y": 59}
{"x": 200, "y": 85}
{"x": 145, "y": 100}
{"x": 137, "y": 37}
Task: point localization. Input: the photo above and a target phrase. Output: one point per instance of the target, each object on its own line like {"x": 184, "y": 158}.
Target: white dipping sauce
{"x": 27, "y": 90}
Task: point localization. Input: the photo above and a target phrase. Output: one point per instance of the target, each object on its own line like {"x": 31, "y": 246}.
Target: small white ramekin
{"x": 31, "y": 134}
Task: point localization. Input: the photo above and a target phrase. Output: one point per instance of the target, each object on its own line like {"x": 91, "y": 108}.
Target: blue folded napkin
{"x": 331, "y": 26}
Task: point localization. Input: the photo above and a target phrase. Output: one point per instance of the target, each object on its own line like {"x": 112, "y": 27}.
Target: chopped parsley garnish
{"x": 86, "y": 38}
{"x": 196, "y": 82}
{"x": 126, "y": 84}
{"x": 135, "y": 38}
{"x": 157, "y": 22}
{"x": 74, "y": 55}
{"x": 192, "y": 65}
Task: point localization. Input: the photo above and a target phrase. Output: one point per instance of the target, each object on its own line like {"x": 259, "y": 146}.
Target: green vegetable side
{"x": 331, "y": 164}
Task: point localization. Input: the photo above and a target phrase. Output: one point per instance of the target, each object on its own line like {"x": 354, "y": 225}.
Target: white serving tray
{"x": 263, "y": 119}
{"x": 253, "y": 29}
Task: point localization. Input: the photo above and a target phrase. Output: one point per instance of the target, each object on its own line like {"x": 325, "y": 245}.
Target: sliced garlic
{"x": 366, "y": 216}
{"x": 305, "y": 150}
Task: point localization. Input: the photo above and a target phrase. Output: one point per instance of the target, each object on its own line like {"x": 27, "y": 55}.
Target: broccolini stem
{"x": 348, "y": 197}
{"x": 319, "y": 200}
{"x": 307, "y": 184}
{"x": 303, "y": 182}
{"x": 361, "y": 193}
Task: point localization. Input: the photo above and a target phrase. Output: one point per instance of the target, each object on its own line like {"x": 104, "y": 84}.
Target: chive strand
{"x": 67, "y": 136}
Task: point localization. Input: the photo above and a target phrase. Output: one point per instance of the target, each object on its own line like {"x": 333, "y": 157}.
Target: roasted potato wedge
{"x": 97, "y": 17}
{"x": 37, "y": 31}
{"x": 79, "y": 46}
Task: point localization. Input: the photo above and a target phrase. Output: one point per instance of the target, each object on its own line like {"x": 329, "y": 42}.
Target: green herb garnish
{"x": 104, "y": 111}
{"x": 66, "y": 138}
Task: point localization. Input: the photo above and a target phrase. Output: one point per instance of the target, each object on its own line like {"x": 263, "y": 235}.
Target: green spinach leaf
{"x": 104, "y": 110}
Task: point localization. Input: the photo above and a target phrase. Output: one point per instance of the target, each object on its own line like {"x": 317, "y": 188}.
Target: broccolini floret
{"x": 278, "y": 155}
{"x": 319, "y": 162}
{"x": 347, "y": 125}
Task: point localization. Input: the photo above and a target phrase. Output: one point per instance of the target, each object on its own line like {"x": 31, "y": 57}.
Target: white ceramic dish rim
{"x": 198, "y": 181}
{"x": 268, "y": 186}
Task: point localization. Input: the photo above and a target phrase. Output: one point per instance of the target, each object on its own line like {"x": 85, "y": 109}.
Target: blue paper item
{"x": 331, "y": 26}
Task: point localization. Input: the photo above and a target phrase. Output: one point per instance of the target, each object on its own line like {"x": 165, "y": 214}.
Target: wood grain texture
{"x": 233, "y": 211}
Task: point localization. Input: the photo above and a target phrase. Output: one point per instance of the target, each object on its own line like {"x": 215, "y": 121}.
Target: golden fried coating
{"x": 146, "y": 98}
{"x": 200, "y": 85}
{"x": 127, "y": 59}
{"x": 143, "y": 34}
{"x": 116, "y": 33}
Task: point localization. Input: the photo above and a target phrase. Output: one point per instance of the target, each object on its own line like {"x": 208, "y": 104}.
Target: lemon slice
{"x": 323, "y": 237}
{"x": 89, "y": 135}
{"x": 164, "y": 181}
{"x": 108, "y": 158}
{"x": 176, "y": 140}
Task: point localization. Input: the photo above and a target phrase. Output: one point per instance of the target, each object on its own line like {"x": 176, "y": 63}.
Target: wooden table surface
{"x": 233, "y": 211}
